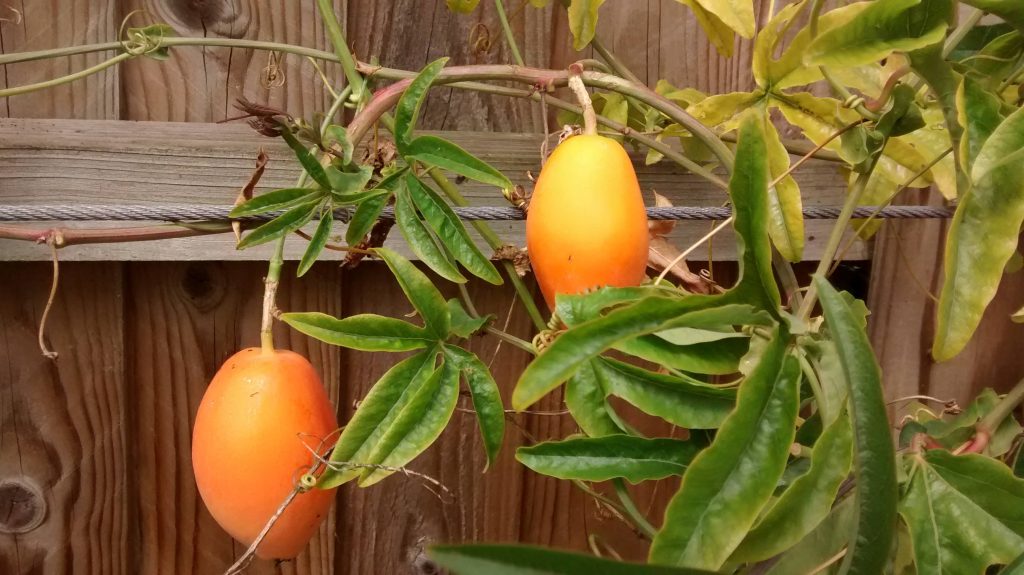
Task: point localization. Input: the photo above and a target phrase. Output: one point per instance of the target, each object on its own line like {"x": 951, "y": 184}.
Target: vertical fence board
{"x": 43, "y": 24}
{"x": 200, "y": 84}
{"x": 61, "y": 423}
{"x": 184, "y": 320}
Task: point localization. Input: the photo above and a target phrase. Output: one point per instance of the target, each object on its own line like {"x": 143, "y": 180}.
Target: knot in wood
{"x": 22, "y": 506}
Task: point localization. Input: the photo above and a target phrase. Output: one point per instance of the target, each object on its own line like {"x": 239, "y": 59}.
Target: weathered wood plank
{"x": 154, "y": 162}
{"x": 201, "y": 84}
{"x": 63, "y": 443}
{"x": 53, "y": 24}
{"x": 183, "y": 321}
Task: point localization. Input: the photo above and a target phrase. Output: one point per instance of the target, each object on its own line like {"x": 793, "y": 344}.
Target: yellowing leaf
{"x": 583, "y": 21}
{"x": 718, "y": 109}
{"x": 462, "y": 6}
{"x": 538, "y": 3}
{"x": 736, "y": 14}
{"x": 785, "y": 207}
{"x": 818, "y": 117}
{"x": 1019, "y": 316}
{"x": 718, "y": 32}
{"x": 789, "y": 70}
{"x": 930, "y": 142}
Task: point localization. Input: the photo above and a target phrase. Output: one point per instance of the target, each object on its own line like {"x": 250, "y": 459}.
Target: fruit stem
{"x": 580, "y": 91}
{"x": 270, "y": 296}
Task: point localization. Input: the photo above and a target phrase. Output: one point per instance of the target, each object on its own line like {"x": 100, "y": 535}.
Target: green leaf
{"x": 578, "y": 345}
{"x": 1009, "y": 10}
{"x": 528, "y": 560}
{"x": 276, "y": 200}
{"x": 376, "y": 414}
{"x": 982, "y": 238}
{"x": 712, "y": 358}
{"x": 282, "y": 225}
{"x": 587, "y": 401}
{"x": 879, "y": 29}
{"x": 977, "y": 38}
{"x": 490, "y": 412}
{"x": 463, "y": 324}
{"x": 462, "y": 6}
{"x": 998, "y": 59}
{"x": 316, "y": 243}
{"x": 728, "y": 483}
{"x": 807, "y": 502}
{"x": 951, "y": 534}
{"x": 1018, "y": 317}
{"x": 736, "y": 14}
{"x": 370, "y": 209}
{"x": 785, "y": 206}
{"x": 422, "y": 294}
{"x": 987, "y": 482}
{"x": 451, "y": 231}
{"x": 583, "y": 21}
{"x": 434, "y": 151}
{"x": 418, "y": 424}
{"x": 408, "y": 109}
{"x": 978, "y": 114}
{"x": 365, "y": 216}
{"x": 420, "y": 240}
{"x": 748, "y": 190}
{"x": 874, "y": 457}
{"x": 903, "y": 116}
{"x": 309, "y": 162}
{"x": 365, "y": 332}
{"x": 681, "y": 401}
{"x": 935, "y": 70}
{"x": 717, "y": 31}
{"x": 820, "y": 546}
{"x": 338, "y": 135}
{"x": 635, "y": 459}
{"x": 348, "y": 184}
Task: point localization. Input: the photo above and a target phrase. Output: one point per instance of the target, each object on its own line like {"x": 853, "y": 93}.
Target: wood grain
{"x": 158, "y": 162}
{"x": 62, "y": 426}
{"x": 201, "y": 84}
{"x": 183, "y": 321}
{"x": 53, "y": 24}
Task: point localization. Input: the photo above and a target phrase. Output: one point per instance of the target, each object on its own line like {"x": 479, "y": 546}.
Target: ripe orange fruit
{"x": 249, "y": 448}
{"x": 586, "y": 226}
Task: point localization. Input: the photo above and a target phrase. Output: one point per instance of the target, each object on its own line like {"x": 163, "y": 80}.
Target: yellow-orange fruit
{"x": 586, "y": 226}
{"x": 249, "y": 448}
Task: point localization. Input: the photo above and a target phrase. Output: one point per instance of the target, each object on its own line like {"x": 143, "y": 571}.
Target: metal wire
{"x": 213, "y": 213}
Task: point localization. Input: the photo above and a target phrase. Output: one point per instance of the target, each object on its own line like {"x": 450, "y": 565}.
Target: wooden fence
{"x": 95, "y": 470}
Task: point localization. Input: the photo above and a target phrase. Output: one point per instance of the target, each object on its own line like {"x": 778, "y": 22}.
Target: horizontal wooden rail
{"x": 98, "y": 161}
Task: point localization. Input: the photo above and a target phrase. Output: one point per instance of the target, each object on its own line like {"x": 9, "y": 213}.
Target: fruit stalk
{"x": 271, "y": 282}
{"x": 583, "y": 97}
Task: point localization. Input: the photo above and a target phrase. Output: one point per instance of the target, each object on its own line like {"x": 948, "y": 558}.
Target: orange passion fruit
{"x": 258, "y": 420}
{"x": 586, "y": 226}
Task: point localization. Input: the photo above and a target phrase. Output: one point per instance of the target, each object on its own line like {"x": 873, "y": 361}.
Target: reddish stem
{"x": 72, "y": 236}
